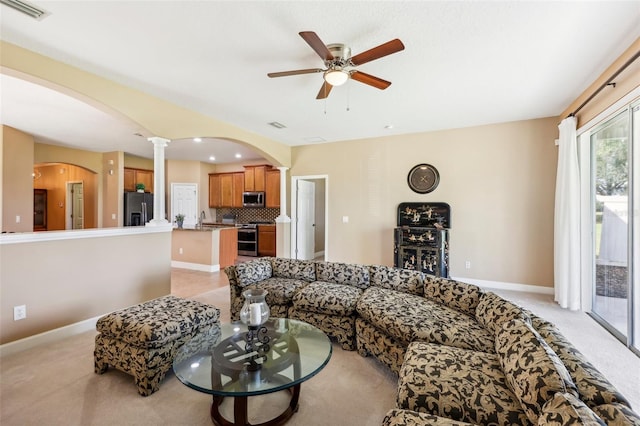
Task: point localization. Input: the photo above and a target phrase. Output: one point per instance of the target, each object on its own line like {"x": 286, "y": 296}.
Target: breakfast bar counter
{"x": 208, "y": 248}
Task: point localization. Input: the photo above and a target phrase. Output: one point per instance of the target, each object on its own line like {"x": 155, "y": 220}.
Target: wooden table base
{"x": 240, "y": 416}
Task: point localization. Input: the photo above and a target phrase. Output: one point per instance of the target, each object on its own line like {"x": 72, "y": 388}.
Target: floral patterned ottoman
{"x": 142, "y": 340}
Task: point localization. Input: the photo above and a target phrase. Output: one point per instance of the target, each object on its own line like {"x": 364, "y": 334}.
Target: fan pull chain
{"x": 348, "y": 95}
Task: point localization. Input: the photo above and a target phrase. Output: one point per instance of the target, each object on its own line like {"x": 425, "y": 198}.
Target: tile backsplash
{"x": 246, "y": 215}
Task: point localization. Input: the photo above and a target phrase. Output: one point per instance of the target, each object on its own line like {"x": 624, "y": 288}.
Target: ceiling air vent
{"x": 26, "y": 8}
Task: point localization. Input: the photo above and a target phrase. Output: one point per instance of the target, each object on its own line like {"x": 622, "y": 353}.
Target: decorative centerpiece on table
{"x": 254, "y": 313}
{"x": 140, "y": 187}
{"x": 180, "y": 220}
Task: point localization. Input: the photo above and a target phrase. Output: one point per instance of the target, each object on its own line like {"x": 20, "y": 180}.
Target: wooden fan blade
{"x": 296, "y": 72}
{"x": 316, "y": 44}
{"x": 365, "y": 78}
{"x": 385, "y": 49}
{"x": 324, "y": 91}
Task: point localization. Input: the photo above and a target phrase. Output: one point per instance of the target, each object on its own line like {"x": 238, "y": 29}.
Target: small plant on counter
{"x": 140, "y": 187}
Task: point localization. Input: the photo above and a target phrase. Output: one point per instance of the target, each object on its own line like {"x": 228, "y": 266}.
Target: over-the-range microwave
{"x": 253, "y": 199}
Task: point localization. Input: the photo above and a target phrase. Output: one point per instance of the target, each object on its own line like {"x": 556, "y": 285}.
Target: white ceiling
{"x": 465, "y": 64}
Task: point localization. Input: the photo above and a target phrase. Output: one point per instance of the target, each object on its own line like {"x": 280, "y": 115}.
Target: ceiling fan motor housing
{"x": 341, "y": 55}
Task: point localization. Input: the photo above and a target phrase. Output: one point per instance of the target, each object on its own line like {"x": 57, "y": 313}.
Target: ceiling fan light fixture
{"x": 336, "y": 76}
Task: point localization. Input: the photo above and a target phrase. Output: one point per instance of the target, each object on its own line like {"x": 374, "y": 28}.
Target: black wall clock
{"x": 423, "y": 178}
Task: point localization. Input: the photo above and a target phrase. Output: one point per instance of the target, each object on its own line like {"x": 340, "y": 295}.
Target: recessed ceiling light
{"x": 238, "y": 156}
{"x": 197, "y": 139}
{"x": 212, "y": 158}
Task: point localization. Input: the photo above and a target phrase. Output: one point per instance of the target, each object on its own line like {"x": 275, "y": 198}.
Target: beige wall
{"x": 499, "y": 180}
{"x": 135, "y": 162}
{"x": 67, "y": 281}
{"x": 17, "y": 182}
{"x": 191, "y": 172}
{"x": 113, "y": 188}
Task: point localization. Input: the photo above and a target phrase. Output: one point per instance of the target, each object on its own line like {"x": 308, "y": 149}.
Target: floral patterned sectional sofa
{"x": 462, "y": 355}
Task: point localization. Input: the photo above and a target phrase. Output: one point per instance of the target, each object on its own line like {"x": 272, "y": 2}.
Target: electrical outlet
{"x": 113, "y": 216}
{"x": 180, "y": 250}
{"x": 467, "y": 264}
{"x": 18, "y": 219}
{"x": 345, "y": 219}
{"x": 19, "y": 312}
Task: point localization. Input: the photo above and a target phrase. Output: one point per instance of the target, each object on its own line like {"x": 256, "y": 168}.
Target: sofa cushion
{"x": 403, "y": 280}
{"x": 533, "y": 371}
{"x": 327, "y": 298}
{"x": 406, "y": 318}
{"x": 454, "y": 294}
{"x": 280, "y": 291}
{"x": 294, "y": 269}
{"x": 594, "y": 389}
{"x": 460, "y": 384}
{"x": 617, "y": 415}
{"x": 565, "y": 409}
{"x": 253, "y": 271}
{"x": 343, "y": 273}
{"x": 493, "y": 310}
{"x": 398, "y": 417}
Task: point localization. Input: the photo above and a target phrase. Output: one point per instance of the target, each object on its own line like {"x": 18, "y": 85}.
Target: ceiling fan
{"x": 340, "y": 65}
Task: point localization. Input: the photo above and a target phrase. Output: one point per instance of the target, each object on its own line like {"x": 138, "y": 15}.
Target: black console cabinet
{"x": 421, "y": 240}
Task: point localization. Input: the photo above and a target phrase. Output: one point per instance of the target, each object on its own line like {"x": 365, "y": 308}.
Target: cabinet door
{"x": 145, "y": 177}
{"x": 266, "y": 240}
{"x": 272, "y": 188}
{"x": 259, "y": 178}
{"x": 129, "y": 180}
{"x": 249, "y": 179}
{"x": 214, "y": 191}
{"x": 238, "y": 189}
{"x": 39, "y": 209}
{"x": 226, "y": 190}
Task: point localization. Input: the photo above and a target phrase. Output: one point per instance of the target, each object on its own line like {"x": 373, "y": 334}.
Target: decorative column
{"x": 283, "y": 222}
{"x": 159, "y": 213}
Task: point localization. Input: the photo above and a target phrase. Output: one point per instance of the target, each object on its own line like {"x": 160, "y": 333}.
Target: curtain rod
{"x": 608, "y": 82}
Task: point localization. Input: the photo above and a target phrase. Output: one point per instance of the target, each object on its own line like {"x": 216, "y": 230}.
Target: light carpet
{"x": 54, "y": 384}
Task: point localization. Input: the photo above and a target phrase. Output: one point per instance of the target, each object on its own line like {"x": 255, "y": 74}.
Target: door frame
{"x": 294, "y": 212}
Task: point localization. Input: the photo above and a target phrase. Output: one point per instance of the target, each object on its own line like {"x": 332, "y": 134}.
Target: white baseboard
{"x": 506, "y": 286}
{"x": 48, "y": 336}
{"x": 195, "y": 266}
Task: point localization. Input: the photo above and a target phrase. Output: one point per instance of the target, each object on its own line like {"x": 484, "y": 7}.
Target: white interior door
{"x": 305, "y": 220}
{"x": 75, "y": 206}
{"x": 184, "y": 200}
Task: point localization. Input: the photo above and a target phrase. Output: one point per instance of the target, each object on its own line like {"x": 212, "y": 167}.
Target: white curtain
{"x": 567, "y": 219}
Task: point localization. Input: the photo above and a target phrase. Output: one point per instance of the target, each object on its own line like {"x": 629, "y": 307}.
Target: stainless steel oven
{"x": 247, "y": 239}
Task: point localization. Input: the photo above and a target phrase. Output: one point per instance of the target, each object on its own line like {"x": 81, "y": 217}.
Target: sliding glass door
{"x": 615, "y": 194}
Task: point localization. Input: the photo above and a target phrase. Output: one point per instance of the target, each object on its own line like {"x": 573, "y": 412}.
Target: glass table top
{"x": 284, "y": 353}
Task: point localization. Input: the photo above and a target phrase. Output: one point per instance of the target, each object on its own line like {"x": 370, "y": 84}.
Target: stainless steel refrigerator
{"x": 138, "y": 208}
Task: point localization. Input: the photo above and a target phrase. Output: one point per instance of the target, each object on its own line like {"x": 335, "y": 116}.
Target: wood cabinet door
{"x": 266, "y": 240}
{"x": 238, "y": 189}
{"x": 226, "y": 190}
{"x": 249, "y": 179}
{"x": 259, "y": 178}
{"x": 145, "y": 177}
{"x": 129, "y": 180}
{"x": 214, "y": 191}
{"x": 272, "y": 189}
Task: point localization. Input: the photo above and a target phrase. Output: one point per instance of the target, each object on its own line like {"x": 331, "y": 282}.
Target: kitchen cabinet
{"x": 225, "y": 189}
{"x": 214, "y": 191}
{"x": 272, "y": 190}
{"x": 266, "y": 240}
{"x": 39, "y": 209}
{"x": 255, "y": 178}
{"x": 135, "y": 176}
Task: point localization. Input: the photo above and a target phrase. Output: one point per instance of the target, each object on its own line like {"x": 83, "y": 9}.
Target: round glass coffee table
{"x": 233, "y": 361}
